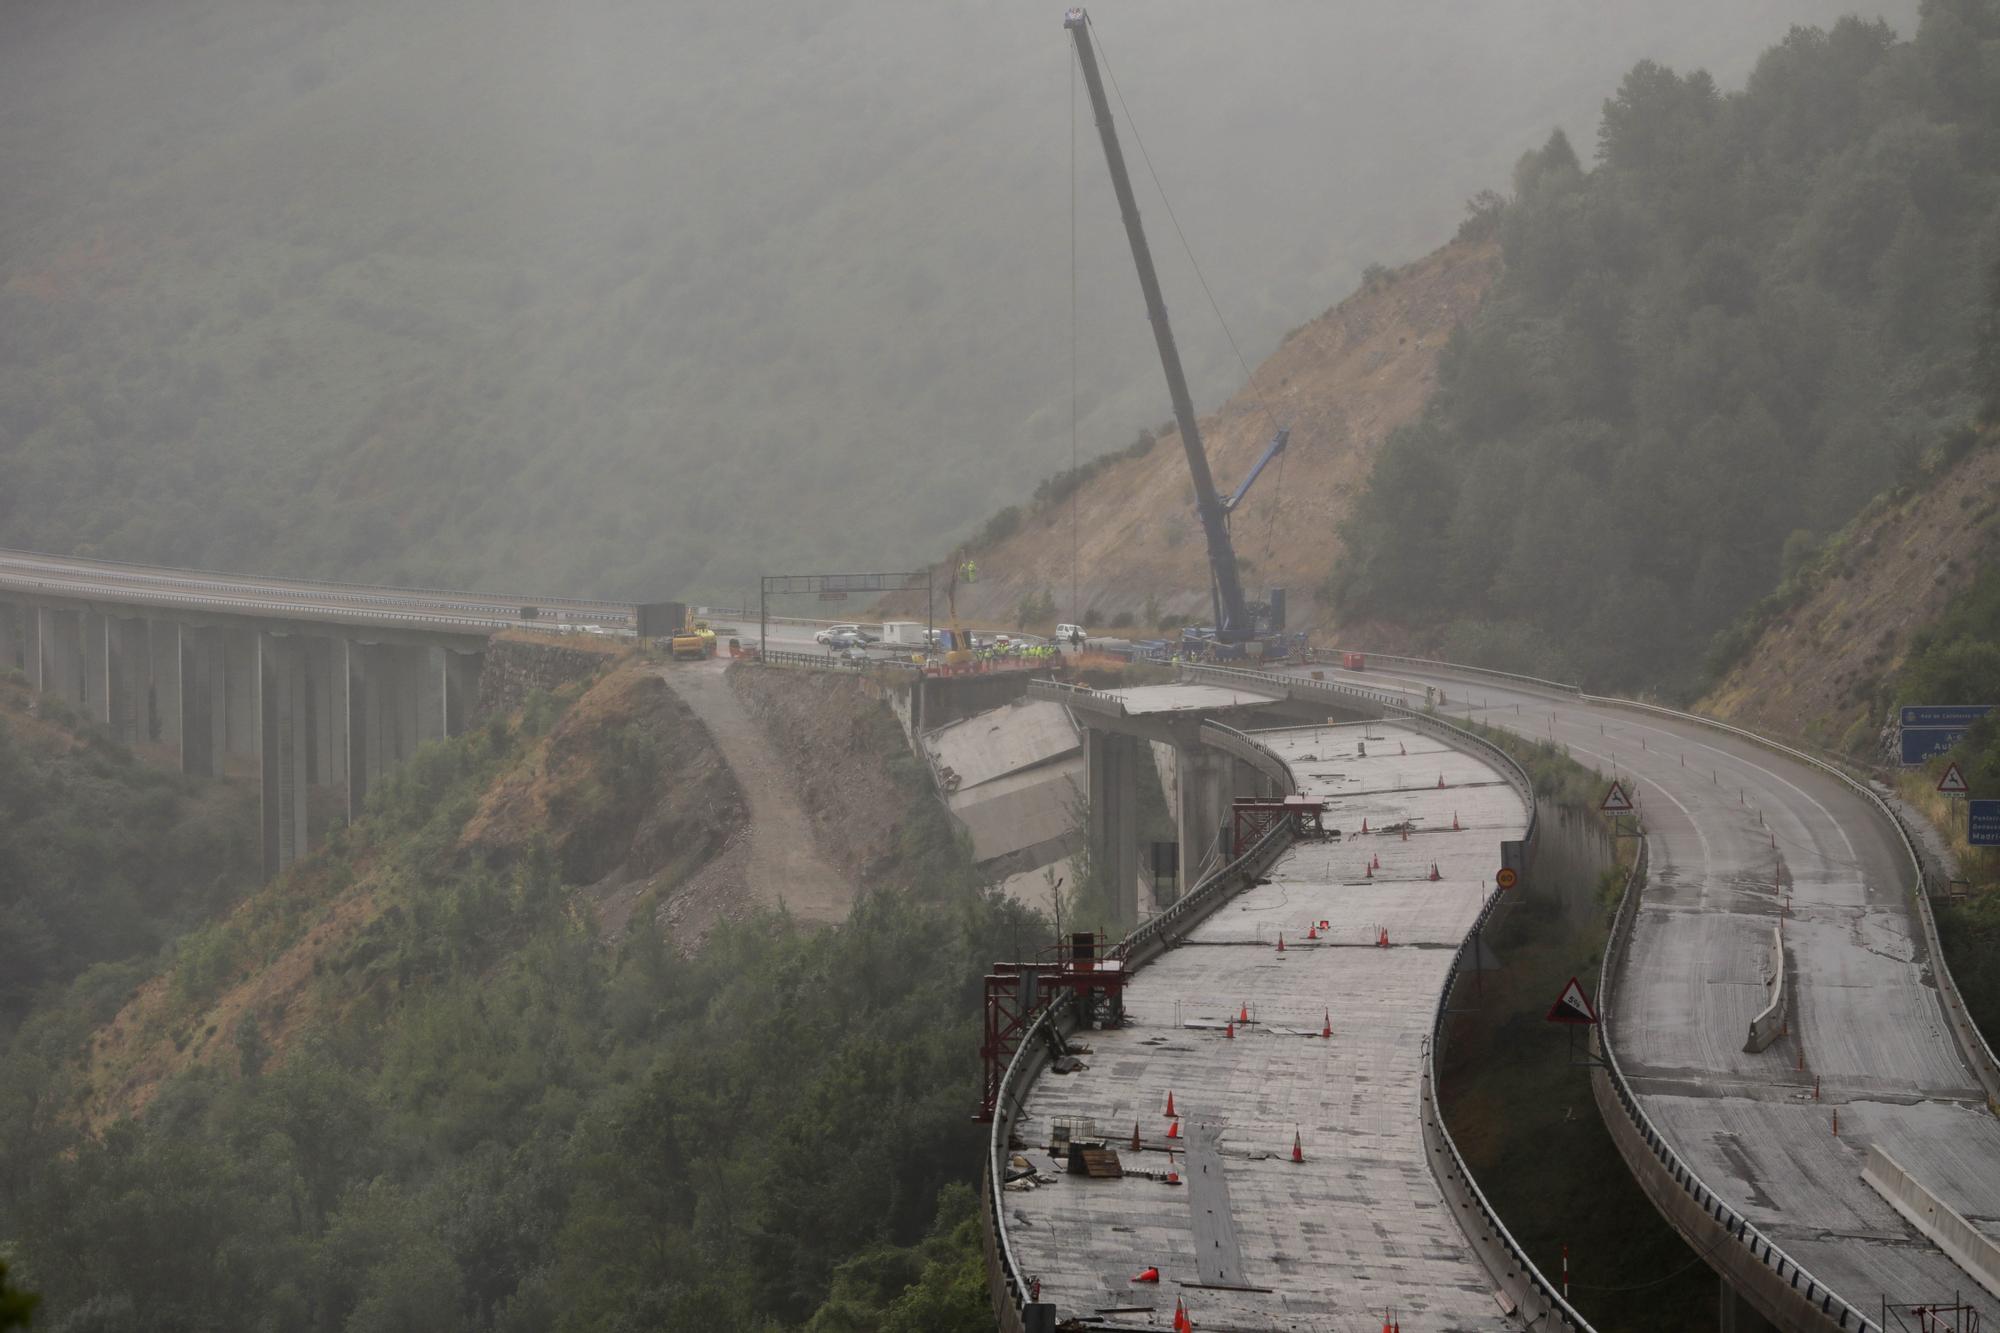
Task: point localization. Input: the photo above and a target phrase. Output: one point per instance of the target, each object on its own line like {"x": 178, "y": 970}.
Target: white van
{"x": 1070, "y": 634}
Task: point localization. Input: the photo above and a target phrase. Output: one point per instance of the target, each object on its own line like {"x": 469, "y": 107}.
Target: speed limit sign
{"x": 1507, "y": 878}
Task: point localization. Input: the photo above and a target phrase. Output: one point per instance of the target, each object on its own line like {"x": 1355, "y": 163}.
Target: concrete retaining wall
{"x": 1968, "y": 1247}
{"x": 516, "y": 668}
{"x": 1769, "y": 1025}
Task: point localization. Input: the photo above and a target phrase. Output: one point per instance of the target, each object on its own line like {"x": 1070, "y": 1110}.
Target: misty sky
{"x": 435, "y": 276}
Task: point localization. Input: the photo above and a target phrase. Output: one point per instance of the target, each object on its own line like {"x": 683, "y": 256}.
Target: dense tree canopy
{"x": 1753, "y": 313}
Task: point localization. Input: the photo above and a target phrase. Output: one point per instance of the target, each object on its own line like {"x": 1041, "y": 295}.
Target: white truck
{"x": 903, "y": 633}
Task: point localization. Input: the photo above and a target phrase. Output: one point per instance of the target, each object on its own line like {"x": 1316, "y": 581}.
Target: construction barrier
{"x": 1769, "y": 1024}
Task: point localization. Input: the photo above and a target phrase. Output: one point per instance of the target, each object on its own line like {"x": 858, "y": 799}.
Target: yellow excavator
{"x": 957, "y": 643}
{"x": 693, "y": 641}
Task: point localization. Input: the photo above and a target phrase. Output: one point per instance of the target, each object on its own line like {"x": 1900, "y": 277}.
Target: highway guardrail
{"x": 1146, "y": 941}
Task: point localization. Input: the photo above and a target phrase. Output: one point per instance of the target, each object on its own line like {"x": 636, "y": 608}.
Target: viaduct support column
{"x": 63, "y": 676}
{"x": 126, "y": 678}
{"x": 285, "y": 714}
{"x": 1204, "y": 804}
{"x": 461, "y": 688}
{"x": 162, "y": 714}
{"x": 1111, "y": 764}
{"x": 431, "y": 667}
{"x": 201, "y": 724}
{"x": 10, "y": 638}
{"x": 241, "y": 681}
{"x": 96, "y": 630}
{"x": 35, "y": 645}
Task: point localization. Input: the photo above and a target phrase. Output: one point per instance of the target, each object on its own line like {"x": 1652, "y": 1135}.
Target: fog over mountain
{"x": 644, "y": 299}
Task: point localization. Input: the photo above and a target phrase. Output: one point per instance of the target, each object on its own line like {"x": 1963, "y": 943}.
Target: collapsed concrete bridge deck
{"x": 1252, "y": 1239}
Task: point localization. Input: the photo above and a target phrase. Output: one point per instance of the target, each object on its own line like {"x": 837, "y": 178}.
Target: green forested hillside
{"x": 635, "y": 299}
{"x": 102, "y": 859}
{"x": 1749, "y": 314}
{"x": 474, "y": 1113}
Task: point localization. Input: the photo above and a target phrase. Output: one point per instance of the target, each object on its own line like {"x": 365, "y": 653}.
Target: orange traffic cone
{"x": 1229, "y": 1029}
{"x": 1298, "y": 1148}
{"x": 1367, "y": 870}
{"x": 1364, "y": 823}
{"x": 1170, "y": 1103}
{"x": 1174, "y": 1129}
{"x": 1440, "y": 782}
{"x": 1326, "y": 1027}
{"x": 1454, "y": 821}
{"x": 1244, "y": 1015}
{"x": 1173, "y": 1172}
{"x": 1135, "y": 1136}
{"x": 1434, "y": 871}
{"x": 1375, "y": 863}
{"x": 1281, "y": 941}
{"x": 1182, "y": 1324}
{"x": 1382, "y": 938}
{"x": 1148, "y": 1275}
{"x": 1312, "y": 932}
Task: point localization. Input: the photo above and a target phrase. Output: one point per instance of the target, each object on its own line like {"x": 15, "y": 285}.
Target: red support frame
{"x": 1017, "y": 992}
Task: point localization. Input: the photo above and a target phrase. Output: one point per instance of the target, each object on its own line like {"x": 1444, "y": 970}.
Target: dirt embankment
{"x": 1816, "y": 669}
{"x": 839, "y": 744}
{"x": 1340, "y": 383}
{"x": 626, "y": 791}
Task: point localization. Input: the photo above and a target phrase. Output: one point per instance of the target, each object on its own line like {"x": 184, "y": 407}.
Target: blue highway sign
{"x": 1923, "y": 744}
{"x": 1944, "y": 715}
{"x": 1982, "y": 823}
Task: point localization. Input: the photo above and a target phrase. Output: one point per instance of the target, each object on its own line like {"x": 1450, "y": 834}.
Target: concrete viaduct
{"x": 315, "y": 689}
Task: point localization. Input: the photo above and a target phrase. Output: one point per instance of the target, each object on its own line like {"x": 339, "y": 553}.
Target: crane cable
{"x": 1075, "y": 610}
{"x": 1249, "y": 380}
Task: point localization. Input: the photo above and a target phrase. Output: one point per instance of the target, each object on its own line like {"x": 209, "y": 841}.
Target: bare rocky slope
{"x": 1340, "y": 383}
{"x": 1817, "y": 667}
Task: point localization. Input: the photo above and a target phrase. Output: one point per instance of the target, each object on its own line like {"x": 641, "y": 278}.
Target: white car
{"x": 1069, "y": 634}
{"x": 828, "y": 634}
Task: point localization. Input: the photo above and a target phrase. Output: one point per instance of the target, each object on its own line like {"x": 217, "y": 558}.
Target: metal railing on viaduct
{"x": 315, "y": 689}
{"x": 1743, "y": 1254}
{"x": 1538, "y": 1302}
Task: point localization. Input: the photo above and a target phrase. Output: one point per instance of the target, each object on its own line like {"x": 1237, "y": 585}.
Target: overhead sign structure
{"x": 1616, "y": 802}
{"x": 1982, "y": 823}
{"x": 1507, "y": 877}
{"x": 1573, "y": 1006}
{"x": 1953, "y": 781}
{"x": 1929, "y": 730}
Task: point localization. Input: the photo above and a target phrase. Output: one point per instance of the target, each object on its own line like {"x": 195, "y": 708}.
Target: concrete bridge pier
{"x": 63, "y": 661}
{"x": 461, "y": 687}
{"x": 1111, "y": 768}
{"x": 124, "y": 678}
{"x": 1205, "y": 785}
{"x": 284, "y": 702}
{"x": 29, "y": 622}
{"x": 10, "y": 638}
{"x": 162, "y": 695}
{"x": 199, "y": 677}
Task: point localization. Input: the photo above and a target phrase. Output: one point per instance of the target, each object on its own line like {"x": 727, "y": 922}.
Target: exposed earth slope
{"x": 1340, "y": 383}
{"x": 1818, "y": 668}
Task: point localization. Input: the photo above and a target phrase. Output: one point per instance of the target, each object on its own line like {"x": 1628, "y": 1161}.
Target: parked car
{"x": 1070, "y": 634}
{"x": 844, "y": 643}
{"x": 828, "y": 634}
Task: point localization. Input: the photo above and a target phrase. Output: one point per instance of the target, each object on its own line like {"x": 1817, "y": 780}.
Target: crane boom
{"x": 1233, "y": 620}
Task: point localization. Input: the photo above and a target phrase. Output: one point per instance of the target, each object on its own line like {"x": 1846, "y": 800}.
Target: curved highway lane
{"x": 1740, "y": 838}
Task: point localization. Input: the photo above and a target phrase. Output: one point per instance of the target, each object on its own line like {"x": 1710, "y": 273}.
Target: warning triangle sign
{"x": 1616, "y": 802}
{"x": 1953, "y": 781}
{"x": 1572, "y": 1006}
